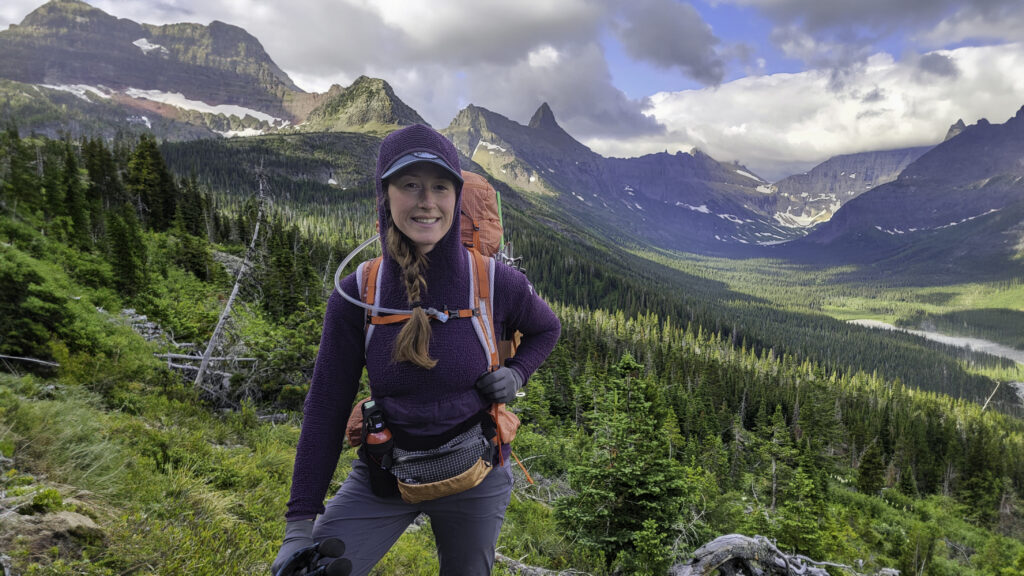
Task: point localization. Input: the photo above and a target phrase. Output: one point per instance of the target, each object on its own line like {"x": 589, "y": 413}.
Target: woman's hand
{"x": 298, "y": 534}
{"x": 500, "y": 386}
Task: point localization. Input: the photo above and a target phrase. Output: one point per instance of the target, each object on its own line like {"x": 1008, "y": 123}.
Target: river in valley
{"x": 976, "y": 344}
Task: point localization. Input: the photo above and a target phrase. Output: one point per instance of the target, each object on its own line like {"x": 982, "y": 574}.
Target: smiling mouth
{"x": 426, "y": 220}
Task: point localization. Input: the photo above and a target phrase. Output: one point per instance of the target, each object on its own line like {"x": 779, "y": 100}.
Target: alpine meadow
{"x": 719, "y": 401}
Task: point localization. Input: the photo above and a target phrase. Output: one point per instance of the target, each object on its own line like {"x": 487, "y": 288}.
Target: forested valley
{"x": 673, "y": 410}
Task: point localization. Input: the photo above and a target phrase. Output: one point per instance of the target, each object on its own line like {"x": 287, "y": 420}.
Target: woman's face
{"x": 422, "y": 202}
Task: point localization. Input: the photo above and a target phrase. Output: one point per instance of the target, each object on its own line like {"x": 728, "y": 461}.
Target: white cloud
{"x": 776, "y": 123}
{"x": 510, "y": 56}
{"x": 544, "y": 57}
{"x": 1005, "y": 24}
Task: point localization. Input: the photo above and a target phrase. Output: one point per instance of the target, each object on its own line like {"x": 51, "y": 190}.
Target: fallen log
{"x": 213, "y": 358}
{"x": 519, "y": 569}
{"x": 734, "y": 554}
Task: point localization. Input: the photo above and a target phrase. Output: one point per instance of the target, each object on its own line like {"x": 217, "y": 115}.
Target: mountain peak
{"x": 544, "y": 118}
{"x": 955, "y": 129}
{"x": 56, "y": 12}
{"x": 367, "y": 105}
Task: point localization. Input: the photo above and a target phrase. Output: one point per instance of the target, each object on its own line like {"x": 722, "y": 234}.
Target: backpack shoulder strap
{"x": 481, "y": 276}
{"x": 480, "y": 313}
{"x": 368, "y": 277}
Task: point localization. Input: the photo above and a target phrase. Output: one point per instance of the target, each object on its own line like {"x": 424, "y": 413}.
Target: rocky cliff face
{"x": 684, "y": 201}
{"x": 955, "y": 129}
{"x": 973, "y": 181}
{"x": 67, "y": 42}
{"x": 178, "y": 81}
{"x": 806, "y": 200}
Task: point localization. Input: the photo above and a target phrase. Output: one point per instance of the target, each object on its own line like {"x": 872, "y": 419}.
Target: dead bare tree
{"x": 261, "y": 201}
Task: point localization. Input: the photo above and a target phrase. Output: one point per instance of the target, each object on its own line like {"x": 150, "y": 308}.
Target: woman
{"x": 429, "y": 377}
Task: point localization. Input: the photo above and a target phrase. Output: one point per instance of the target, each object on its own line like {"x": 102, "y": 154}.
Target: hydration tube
{"x": 442, "y": 316}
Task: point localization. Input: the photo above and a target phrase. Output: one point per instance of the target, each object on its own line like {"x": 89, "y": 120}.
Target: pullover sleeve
{"x": 518, "y": 306}
{"x": 336, "y": 374}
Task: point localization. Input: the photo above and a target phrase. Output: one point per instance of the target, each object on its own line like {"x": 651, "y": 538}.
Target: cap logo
{"x": 426, "y": 155}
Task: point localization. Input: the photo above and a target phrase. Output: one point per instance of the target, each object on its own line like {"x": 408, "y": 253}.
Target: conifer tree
{"x": 126, "y": 250}
{"x": 870, "y": 472}
{"x": 151, "y": 185}
{"x": 626, "y": 476}
{"x": 191, "y": 211}
{"x": 19, "y": 183}
{"x": 80, "y": 232}
{"x": 777, "y": 448}
{"x": 29, "y": 311}
{"x": 51, "y": 188}
{"x": 800, "y": 517}
{"x": 907, "y": 484}
{"x": 105, "y": 191}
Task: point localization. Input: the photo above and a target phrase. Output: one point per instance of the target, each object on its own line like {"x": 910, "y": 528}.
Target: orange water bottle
{"x": 373, "y": 420}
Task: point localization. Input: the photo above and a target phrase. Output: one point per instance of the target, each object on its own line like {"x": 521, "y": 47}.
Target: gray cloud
{"x": 670, "y": 35}
{"x": 875, "y": 95}
{"x": 576, "y": 84}
{"x": 938, "y": 65}
{"x": 838, "y": 34}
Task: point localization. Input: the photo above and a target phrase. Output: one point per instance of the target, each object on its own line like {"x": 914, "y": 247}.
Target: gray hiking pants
{"x": 465, "y": 525}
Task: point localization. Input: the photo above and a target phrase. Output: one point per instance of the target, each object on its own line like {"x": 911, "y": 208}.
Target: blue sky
{"x": 777, "y": 85}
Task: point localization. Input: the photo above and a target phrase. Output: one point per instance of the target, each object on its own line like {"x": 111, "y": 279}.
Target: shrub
{"x": 46, "y": 500}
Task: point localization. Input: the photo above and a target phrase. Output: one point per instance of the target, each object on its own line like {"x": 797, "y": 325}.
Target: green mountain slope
{"x": 649, "y": 430}
{"x": 580, "y": 266}
{"x": 368, "y": 105}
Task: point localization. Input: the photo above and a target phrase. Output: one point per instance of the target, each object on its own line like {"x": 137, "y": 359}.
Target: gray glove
{"x": 298, "y": 534}
{"x": 499, "y": 386}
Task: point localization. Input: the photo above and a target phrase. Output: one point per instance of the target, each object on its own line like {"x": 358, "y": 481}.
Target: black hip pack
{"x": 432, "y": 468}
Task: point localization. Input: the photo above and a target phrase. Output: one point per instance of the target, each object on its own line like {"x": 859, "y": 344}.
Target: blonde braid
{"x": 413, "y": 342}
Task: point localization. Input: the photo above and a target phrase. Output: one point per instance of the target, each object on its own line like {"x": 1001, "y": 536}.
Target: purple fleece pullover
{"x": 416, "y": 402}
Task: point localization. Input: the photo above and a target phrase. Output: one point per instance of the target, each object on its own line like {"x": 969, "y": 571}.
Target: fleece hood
{"x": 448, "y": 256}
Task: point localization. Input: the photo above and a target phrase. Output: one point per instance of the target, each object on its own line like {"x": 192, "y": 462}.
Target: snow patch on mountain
{"x": 897, "y": 231}
{"x": 748, "y": 175}
{"x": 968, "y": 219}
{"x": 802, "y": 220}
{"x": 179, "y": 100}
{"x": 140, "y": 120}
{"x": 146, "y": 46}
{"x": 703, "y": 208}
{"x": 79, "y": 90}
{"x": 490, "y": 147}
{"x": 766, "y": 189}
{"x": 772, "y": 239}
{"x": 242, "y": 133}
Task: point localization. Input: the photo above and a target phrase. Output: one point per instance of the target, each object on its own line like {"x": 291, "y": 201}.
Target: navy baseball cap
{"x": 414, "y": 157}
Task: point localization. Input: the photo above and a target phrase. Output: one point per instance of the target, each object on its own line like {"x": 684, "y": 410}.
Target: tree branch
{"x": 44, "y": 362}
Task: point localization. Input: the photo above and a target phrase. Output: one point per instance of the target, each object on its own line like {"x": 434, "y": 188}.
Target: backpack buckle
{"x": 442, "y": 316}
